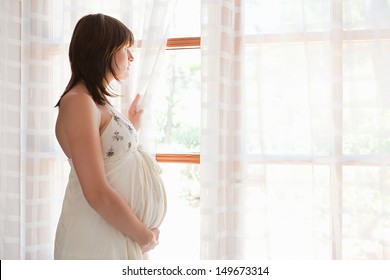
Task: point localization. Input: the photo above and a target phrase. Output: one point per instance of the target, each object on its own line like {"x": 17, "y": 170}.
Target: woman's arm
{"x": 80, "y": 121}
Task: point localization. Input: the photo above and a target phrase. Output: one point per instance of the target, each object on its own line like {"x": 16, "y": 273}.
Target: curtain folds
{"x": 157, "y": 17}
{"x": 30, "y": 169}
{"x": 221, "y": 169}
{"x": 294, "y": 154}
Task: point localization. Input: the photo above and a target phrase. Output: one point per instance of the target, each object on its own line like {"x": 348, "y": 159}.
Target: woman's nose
{"x": 130, "y": 56}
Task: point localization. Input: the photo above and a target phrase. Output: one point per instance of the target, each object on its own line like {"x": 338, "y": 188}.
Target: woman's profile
{"x": 115, "y": 199}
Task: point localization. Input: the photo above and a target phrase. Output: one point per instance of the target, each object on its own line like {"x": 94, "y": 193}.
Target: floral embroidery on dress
{"x": 117, "y": 119}
{"x": 117, "y": 137}
{"x": 110, "y": 152}
{"x": 120, "y": 137}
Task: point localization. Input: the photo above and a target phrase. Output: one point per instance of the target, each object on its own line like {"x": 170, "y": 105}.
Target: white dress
{"x": 81, "y": 232}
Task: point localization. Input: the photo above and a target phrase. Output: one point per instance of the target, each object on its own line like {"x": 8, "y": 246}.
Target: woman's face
{"x": 121, "y": 62}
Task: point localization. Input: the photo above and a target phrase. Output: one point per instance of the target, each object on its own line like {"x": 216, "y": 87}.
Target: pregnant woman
{"x": 115, "y": 199}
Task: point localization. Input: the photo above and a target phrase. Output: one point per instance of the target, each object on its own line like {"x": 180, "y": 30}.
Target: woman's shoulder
{"x": 76, "y": 95}
{"x": 78, "y": 102}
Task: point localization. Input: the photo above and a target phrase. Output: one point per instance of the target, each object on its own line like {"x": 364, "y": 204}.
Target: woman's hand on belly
{"x": 151, "y": 245}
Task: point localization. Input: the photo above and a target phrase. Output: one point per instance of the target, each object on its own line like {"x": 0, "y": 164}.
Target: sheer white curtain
{"x": 34, "y": 38}
{"x": 29, "y": 166}
{"x": 295, "y": 110}
{"x": 221, "y": 168}
{"x": 157, "y": 15}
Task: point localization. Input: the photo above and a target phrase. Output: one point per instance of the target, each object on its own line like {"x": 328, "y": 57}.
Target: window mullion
{"x": 336, "y": 166}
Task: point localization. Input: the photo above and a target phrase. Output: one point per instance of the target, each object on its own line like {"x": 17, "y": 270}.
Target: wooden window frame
{"x": 187, "y": 158}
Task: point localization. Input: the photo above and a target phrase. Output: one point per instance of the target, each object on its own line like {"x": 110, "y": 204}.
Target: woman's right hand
{"x": 133, "y": 114}
{"x": 153, "y": 243}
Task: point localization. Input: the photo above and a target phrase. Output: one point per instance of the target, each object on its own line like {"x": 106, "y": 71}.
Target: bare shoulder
{"x": 78, "y": 103}
{"x": 78, "y": 120}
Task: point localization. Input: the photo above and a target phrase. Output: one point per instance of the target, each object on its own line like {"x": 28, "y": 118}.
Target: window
{"x": 342, "y": 133}
{"x": 176, "y": 110}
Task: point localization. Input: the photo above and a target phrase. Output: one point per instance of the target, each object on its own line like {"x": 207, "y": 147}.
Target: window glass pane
{"x": 177, "y": 106}
{"x": 304, "y": 191}
{"x": 366, "y": 14}
{"x": 365, "y": 124}
{"x": 179, "y": 233}
{"x": 366, "y": 200}
{"x": 278, "y": 109}
{"x": 265, "y": 16}
{"x": 186, "y": 19}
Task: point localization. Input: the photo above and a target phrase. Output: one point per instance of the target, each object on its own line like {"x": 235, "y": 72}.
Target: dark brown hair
{"x": 95, "y": 40}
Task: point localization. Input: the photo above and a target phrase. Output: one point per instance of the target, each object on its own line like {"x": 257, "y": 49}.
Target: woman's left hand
{"x": 154, "y": 243}
{"x": 132, "y": 113}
